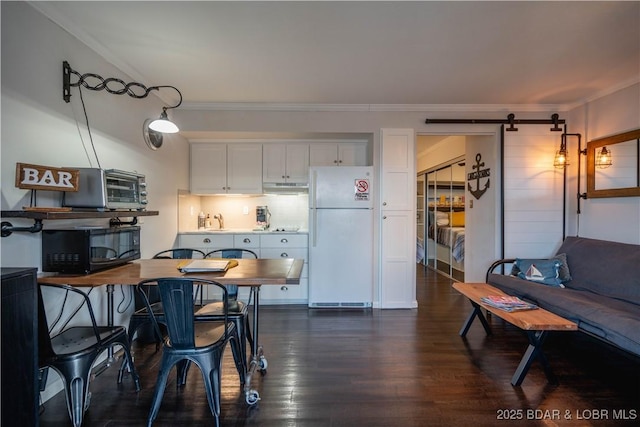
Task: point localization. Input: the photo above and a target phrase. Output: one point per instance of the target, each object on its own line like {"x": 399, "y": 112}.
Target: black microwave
{"x": 84, "y": 250}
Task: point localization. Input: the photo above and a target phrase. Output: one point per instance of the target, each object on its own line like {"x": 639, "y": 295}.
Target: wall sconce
{"x": 561, "y": 158}
{"x": 152, "y": 129}
{"x": 603, "y": 159}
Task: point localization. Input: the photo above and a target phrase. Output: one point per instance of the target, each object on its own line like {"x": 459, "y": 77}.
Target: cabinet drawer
{"x": 285, "y": 294}
{"x": 207, "y": 242}
{"x": 284, "y": 241}
{"x": 297, "y": 253}
{"x": 247, "y": 241}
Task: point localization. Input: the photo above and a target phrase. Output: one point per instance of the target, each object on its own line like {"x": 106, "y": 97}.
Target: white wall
{"x": 615, "y": 218}
{"x": 39, "y": 127}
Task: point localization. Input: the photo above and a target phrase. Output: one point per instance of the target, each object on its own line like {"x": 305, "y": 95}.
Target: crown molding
{"x": 289, "y": 107}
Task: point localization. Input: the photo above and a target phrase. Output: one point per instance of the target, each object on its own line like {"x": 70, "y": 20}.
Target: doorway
{"x": 457, "y": 234}
{"x": 442, "y": 230}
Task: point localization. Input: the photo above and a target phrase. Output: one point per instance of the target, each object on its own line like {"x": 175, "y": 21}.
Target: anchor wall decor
{"x": 476, "y": 175}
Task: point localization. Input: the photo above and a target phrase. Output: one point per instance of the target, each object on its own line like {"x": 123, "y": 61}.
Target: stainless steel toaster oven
{"x": 108, "y": 189}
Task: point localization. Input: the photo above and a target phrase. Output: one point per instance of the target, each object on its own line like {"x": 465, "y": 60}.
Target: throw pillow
{"x": 540, "y": 271}
{"x": 457, "y": 219}
{"x": 563, "y": 272}
{"x": 442, "y": 219}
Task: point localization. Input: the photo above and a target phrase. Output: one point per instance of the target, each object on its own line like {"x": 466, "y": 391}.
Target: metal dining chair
{"x": 141, "y": 316}
{"x": 72, "y": 350}
{"x": 238, "y": 310}
{"x": 189, "y": 340}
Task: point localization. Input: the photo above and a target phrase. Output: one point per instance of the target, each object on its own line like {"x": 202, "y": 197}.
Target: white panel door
{"x": 398, "y": 233}
{"x": 398, "y": 169}
{"x": 398, "y": 267}
{"x": 533, "y": 193}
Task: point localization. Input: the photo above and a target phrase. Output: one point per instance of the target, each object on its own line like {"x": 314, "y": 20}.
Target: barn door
{"x": 533, "y": 198}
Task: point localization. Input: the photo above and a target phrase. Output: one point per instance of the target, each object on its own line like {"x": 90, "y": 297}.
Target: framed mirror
{"x": 617, "y": 175}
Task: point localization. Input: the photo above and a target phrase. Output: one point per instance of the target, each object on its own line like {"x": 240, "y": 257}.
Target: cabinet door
{"x": 297, "y": 163}
{"x": 323, "y": 154}
{"x": 352, "y": 154}
{"x": 398, "y": 232}
{"x": 274, "y": 162}
{"x": 19, "y": 347}
{"x": 244, "y": 168}
{"x": 208, "y": 168}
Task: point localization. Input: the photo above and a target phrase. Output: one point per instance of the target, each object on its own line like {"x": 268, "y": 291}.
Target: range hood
{"x": 284, "y": 187}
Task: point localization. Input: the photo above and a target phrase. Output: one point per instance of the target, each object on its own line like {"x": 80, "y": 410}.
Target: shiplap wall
{"x": 533, "y": 193}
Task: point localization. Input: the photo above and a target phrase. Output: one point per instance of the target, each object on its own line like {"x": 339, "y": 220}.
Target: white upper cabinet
{"x": 338, "y": 154}
{"x": 226, "y": 168}
{"x": 285, "y": 163}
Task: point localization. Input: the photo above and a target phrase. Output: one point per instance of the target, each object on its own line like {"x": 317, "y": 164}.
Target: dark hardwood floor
{"x": 386, "y": 368}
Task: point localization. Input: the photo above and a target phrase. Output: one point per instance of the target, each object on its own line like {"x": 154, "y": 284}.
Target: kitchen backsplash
{"x": 287, "y": 210}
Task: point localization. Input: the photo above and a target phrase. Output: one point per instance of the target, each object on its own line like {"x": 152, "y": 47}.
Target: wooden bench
{"x": 536, "y": 323}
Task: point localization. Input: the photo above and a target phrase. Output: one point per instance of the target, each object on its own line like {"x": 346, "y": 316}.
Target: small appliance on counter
{"x": 263, "y": 218}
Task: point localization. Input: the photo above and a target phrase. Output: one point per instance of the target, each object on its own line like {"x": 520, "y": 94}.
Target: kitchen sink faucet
{"x": 220, "y": 219}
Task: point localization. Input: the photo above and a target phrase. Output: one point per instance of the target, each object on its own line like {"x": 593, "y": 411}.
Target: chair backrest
{"x": 180, "y": 253}
{"x": 176, "y": 294}
{"x": 235, "y": 253}
{"x": 45, "y": 348}
{"x": 231, "y": 253}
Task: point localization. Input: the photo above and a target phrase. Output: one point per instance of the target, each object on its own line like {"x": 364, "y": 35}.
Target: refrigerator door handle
{"x": 314, "y": 211}
{"x": 314, "y": 222}
{"x": 312, "y": 189}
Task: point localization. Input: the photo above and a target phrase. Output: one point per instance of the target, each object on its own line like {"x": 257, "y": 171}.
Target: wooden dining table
{"x": 249, "y": 272}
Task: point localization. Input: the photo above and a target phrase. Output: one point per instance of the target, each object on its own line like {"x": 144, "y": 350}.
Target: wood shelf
{"x": 447, "y": 208}
{"x": 52, "y": 215}
{"x": 40, "y": 215}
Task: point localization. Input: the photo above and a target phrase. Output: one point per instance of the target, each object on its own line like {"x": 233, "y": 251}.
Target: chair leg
{"x": 163, "y": 374}
{"x": 248, "y": 333}
{"x": 127, "y": 362}
{"x": 182, "y": 369}
{"x": 213, "y": 384}
{"x": 76, "y": 390}
{"x": 239, "y": 356}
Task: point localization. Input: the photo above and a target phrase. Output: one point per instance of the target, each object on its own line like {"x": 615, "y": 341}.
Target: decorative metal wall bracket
{"x": 8, "y": 228}
{"x": 107, "y": 84}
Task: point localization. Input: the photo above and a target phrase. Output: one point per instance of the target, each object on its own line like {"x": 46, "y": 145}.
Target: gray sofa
{"x": 602, "y": 297}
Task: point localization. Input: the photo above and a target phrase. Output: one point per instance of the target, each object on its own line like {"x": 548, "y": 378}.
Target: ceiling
{"x": 365, "y": 53}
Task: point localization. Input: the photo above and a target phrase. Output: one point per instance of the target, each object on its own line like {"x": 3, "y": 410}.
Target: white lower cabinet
{"x": 267, "y": 245}
{"x": 274, "y": 245}
{"x": 206, "y": 242}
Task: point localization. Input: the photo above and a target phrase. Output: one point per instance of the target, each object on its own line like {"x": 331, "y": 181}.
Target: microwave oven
{"x": 107, "y": 189}
{"x": 84, "y": 250}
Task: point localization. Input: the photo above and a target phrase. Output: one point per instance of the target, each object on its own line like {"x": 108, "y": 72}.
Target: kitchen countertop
{"x": 242, "y": 231}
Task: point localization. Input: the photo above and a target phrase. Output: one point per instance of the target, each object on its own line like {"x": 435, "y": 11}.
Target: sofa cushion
{"x": 603, "y": 267}
{"x": 563, "y": 272}
{"x": 614, "y": 320}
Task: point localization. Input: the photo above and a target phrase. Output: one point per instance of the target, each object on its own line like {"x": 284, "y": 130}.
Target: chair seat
{"x": 207, "y": 335}
{"x": 236, "y": 308}
{"x": 83, "y": 338}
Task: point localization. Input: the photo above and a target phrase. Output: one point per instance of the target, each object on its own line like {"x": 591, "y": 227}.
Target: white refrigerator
{"x": 340, "y": 236}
